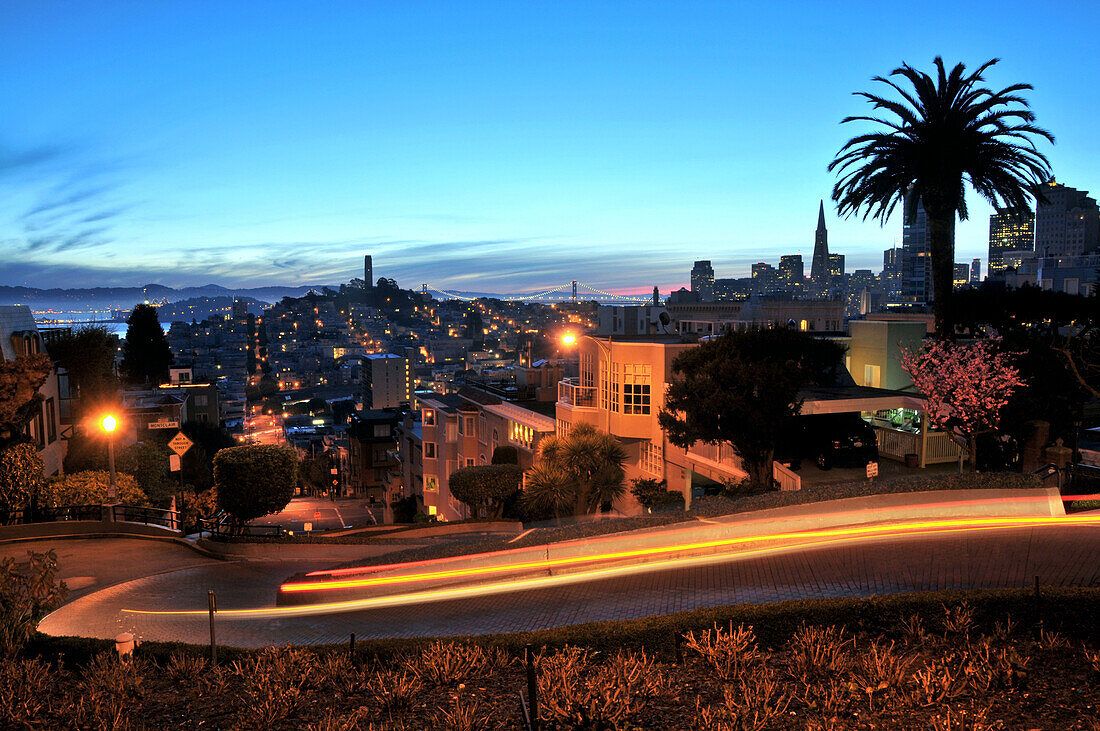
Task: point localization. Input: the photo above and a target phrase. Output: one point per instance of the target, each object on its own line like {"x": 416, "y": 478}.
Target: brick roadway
{"x": 1061, "y": 556}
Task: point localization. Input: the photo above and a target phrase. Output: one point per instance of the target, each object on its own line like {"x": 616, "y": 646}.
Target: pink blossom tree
{"x": 965, "y": 386}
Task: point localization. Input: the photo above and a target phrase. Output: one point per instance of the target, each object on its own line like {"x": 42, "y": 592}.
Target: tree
{"x": 655, "y": 495}
{"x": 742, "y": 388}
{"x": 26, "y": 595}
{"x": 505, "y": 454}
{"x": 486, "y": 486}
{"x": 146, "y": 355}
{"x": 964, "y": 386}
{"x": 254, "y": 480}
{"x": 91, "y": 488}
{"x": 88, "y": 357}
{"x": 147, "y": 463}
{"x": 577, "y": 472}
{"x": 20, "y": 380}
{"x": 20, "y": 478}
{"x": 944, "y": 133}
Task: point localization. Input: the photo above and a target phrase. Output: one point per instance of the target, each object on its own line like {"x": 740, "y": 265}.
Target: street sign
{"x": 164, "y": 425}
{"x": 180, "y": 444}
{"x": 872, "y": 470}
{"x": 307, "y": 527}
{"x": 173, "y": 463}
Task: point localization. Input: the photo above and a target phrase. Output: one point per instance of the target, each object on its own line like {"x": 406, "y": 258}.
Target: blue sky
{"x": 493, "y": 146}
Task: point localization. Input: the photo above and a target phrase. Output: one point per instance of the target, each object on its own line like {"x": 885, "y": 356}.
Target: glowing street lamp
{"x": 109, "y": 423}
{"x": 568, "y": 339}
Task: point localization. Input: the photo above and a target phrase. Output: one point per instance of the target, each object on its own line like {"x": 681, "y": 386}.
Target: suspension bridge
{"x": 573, "y": 291}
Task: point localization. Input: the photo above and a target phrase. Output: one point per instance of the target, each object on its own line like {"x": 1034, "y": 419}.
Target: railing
{"x": 936, "y": 447}
{"x": 939, "y": 447}
{"x": 787, "y": 478}
{"x": 53, "y": 515}
{"x": 570, "y": 392}
{"x": 221, "y": 528}
{"x": 897, "y": 444}
{"x": 149, "y": 516}
{"x": 120, "y": 513}
{"x": 723, "y": 454}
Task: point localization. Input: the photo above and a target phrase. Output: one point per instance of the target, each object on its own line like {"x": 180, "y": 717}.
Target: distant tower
{"x": 656, "y": 296}
{"x": 574, "y": 290}
{"x": 976, "y": 272}
{"x": 702, "y": 280}
{"x": 368, "y": 272}
{"x": 819, "y": 267}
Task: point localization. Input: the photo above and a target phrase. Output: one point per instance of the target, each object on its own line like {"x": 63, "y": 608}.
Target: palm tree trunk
{"x": 941, "y": 247}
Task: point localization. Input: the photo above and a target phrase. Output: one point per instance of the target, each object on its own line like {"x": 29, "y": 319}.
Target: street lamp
{"x": 109, "y": 423}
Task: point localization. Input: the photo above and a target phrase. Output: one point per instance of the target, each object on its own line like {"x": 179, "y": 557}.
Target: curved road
{"x": 1059, "y": 555}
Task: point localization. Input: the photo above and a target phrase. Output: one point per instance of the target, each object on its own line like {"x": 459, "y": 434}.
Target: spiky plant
{"x": 942, "y": 134}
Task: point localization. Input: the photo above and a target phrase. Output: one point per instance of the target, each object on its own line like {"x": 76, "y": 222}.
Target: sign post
{"x": 180, "y": 444}
{"x": 872, "y": 471}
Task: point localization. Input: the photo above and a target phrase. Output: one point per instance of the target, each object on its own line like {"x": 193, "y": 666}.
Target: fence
{"x": 221, "y": 528}
{"x": 120, "y": 513}
{"x": 936, "y": 447}
{"x": 787, "y": 478}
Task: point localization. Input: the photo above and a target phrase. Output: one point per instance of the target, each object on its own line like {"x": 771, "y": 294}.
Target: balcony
{"x": 571, "y": 393}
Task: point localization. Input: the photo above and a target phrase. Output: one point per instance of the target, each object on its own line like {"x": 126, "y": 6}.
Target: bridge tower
{"x": 574, "y": 290}
{"x": 424, "y": 288}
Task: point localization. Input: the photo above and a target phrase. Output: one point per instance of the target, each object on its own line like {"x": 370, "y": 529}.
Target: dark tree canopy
{"x": 146, "y": 355}
{"x": 486, "y": 486}
{"x": 88, "y": 356}
{"x": 505, "y": 454}
{"x": 20, "y": 400}
{"x": 742, "y": 388}
{"x": 254, "y": 480}
{"x": 942, "y": 133}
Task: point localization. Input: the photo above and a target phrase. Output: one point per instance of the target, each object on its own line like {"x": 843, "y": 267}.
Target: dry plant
{"x": 960, "y": 720}
{"x": 935, "y": 684}
{"x": 818, "y": 651}
{"x": 827, "y": 696}
{"x": 394, "y": 690}
{"x": 881, "y": 670}
{"x": 1092, "y": 658}
{"x": 108, "y": 691}
{"x": 751, "y": 705}
{"x": 1051, "y": 640}
{"x": 337, "y": 672}
{"x": 361, "y": 719}
{"x": 274, "y": 685}
{"x": 1004, "y": 632}
{"x": 443, "y": 663}
{"x": 729, "y": 651}
{"x": 465, "y": 715}
{"x": 957, "y": 620}
{"x": 575, "y": 692}
{"x": 26, "y": 687}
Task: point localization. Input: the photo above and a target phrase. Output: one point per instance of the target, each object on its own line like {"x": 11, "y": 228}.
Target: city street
{"x": 1059, "y": 555}
{"x": 322, "y": 513}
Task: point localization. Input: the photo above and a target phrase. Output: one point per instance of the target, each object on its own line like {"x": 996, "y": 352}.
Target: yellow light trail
{"x": 817, "y": 539}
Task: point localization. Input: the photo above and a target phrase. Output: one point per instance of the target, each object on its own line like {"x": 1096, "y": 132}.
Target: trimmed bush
{"x": 20, "y": 476}
{"x": 91, "y": 487}
{"x": 486, "y": 486}
{"x": 505, "y": 454}
{"x": 254, "y": 480}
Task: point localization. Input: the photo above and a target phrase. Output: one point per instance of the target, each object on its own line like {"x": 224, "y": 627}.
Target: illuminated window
{"x": 429, "y": 417}
{"x": 651, "y": 458}
{"x": 521, "y": 434}
{"x": 636, "y": 385}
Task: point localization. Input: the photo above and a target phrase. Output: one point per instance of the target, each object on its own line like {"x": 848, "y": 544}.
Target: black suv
{"x": 844, "y": 440}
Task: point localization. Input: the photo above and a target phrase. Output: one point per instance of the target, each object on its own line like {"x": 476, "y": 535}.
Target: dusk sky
{"x": 482, "y": 146}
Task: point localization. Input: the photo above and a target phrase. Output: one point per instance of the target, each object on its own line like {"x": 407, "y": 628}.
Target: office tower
{"x": 962, "y": 275}
{"x": 1009, "y": 232}
{"x": 835, "y": 269}
{"x": 792, "y": 274}
{"x": 916, "y": 261}
{"x": 891, "y": 273}
{"x": 976, "y": 271}
{"x": 702, "y": 280}
{"x": 1068, "y": 224}
{"x": 240, "y": 309}
{"x": 819, "y": 265}
{"x": 368, "y": 272}
{"x": 386, "y": 381}
{"x": 764, "y": 278}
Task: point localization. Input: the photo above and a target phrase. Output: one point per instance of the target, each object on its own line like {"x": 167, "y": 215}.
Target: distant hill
{"x": 126, "y": 297}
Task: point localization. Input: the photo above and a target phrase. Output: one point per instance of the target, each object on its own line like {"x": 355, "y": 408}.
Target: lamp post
{"x": 109, "y": 423}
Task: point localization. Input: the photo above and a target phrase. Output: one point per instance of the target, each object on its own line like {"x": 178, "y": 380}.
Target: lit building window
{"x": 429, "y": 417}
{"x": 521, "y": 434}
{"x": 636, "y": 386}
{"x": 652, "y": 459}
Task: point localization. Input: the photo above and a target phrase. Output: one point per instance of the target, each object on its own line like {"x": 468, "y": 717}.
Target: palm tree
{"x": 946, "y": 132}
{"x": 580, "y": 471}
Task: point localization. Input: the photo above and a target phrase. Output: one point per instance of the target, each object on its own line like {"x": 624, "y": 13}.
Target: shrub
{"x": 655, "y": 495}
{"x": 254, "y": 480}
{"x": 26, "y": 594}
{"x": 91, "y": 488}
{"x": 505, "y": 454}
{"x": 20, "y": 478}
{"x": 147, "y": 462}
{"x": 486, "y": 486}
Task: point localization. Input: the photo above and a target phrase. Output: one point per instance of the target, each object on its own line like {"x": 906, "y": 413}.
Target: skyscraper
{"x": 1009, "y": 232}
{"x": 764, "y": 278}
{"x": 962, "y": 275}
{"x": 891, "y": 274}
{"x": 916, "y": 261}
{"x": 976, "y": 272}
{"x": 702, "y": 280}
{"x": 1068, "y": 224}
{"x": 819, "y": 265}
{"x": 792, "y": 273}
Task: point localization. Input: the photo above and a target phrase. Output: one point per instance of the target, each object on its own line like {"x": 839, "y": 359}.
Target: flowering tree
{"x": 965, "y": 386}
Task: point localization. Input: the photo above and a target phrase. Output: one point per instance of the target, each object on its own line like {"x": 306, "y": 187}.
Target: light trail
{"x": 549, "y": 564}
{"x": 815, "y": 539}
{"x": 840, "y": 515}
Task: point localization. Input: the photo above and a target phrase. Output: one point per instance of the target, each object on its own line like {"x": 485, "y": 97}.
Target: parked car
{"x": 843, "y": 440}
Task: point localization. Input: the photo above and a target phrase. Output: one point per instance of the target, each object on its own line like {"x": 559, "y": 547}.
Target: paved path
{"x": 1061, "y": 556}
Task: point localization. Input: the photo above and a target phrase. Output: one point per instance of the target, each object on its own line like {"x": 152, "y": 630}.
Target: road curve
{"x": 1060, "y": 555}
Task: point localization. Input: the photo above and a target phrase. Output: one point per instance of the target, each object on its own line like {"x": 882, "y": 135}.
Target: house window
{"x": 522, "y": 434}
{"x": 431, "y": 483}
{"x": 469, "y": 461}
{"x": 636, "y": 385}
{"x": 201, "y": 399}
{"x": 429, "y": 450}
{"x": 51, "y": 421}
{"x": 381, "y": 430}
{"x": 429, "y": 417}
{"x": 651, "y": 458}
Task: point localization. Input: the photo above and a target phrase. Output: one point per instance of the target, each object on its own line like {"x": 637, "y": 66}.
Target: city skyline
{"x": 489, "y": 148}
